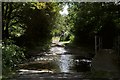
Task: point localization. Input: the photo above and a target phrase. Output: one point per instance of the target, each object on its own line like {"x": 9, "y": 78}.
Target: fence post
{"x": 95, "y": 44}
{"x": 99, "y": 43}
{"x": 118, "y": 45}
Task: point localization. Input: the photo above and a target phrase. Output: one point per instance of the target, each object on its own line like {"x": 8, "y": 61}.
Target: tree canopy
{"x": 28, "y": 27}
{"x": 93, "y": 18}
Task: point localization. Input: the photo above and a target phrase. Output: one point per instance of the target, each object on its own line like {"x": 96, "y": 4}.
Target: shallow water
{"x": 56, "y": 61}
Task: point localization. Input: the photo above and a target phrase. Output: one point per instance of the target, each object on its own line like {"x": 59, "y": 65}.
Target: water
{"x": 60, "y": 64}
{"x": 56, "y": 61}
{"x": 57, "y": 50}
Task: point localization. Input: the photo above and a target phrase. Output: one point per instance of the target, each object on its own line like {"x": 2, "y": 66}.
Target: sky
{"x": 64, "y": 12}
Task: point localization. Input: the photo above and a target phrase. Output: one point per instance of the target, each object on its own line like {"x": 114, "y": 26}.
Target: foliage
{"x": 12, "y": 55}
{"x": 29, "y": 24}
{"x": 40, "y": 22}
{"x": 26, "y": 25}
{"x": 95, "y": 18}
{"x": 11, "y": 23}
{"x": 63, "y": 27}
{"x": 32, "y": 25}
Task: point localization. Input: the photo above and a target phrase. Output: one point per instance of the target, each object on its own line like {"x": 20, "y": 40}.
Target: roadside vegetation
{"x": 30, "y": 27}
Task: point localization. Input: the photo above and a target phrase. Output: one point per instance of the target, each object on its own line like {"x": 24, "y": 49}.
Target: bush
{"x": 12, "y": 55}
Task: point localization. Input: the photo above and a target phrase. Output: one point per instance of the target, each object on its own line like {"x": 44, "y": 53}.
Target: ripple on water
{"x": 60, "y": 62}
{"x": 57, "y": 50}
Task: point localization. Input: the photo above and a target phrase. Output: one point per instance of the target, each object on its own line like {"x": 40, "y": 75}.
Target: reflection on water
{"x": 65, "y": 63}
{"x": 59, "y": 63}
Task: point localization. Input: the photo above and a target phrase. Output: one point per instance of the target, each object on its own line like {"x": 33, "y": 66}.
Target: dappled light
{"x": 57, "y": 50}
{"x": 60, "y": 40}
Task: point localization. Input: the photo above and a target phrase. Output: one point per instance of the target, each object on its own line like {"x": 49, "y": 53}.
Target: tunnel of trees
{"x": 28, "y": 27}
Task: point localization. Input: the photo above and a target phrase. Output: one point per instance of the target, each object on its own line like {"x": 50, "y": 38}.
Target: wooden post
{"x": 118, "y": 45}
{"x": 99, "y": 43}
{"x": 95, "y": 44}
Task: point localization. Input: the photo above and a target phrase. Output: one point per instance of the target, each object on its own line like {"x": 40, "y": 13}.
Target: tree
{"x": 40, "y": 22}
{"x": 11, "y": 23}
{"x": 26, "y": 27}
{"x": 64, "y": 23}
{"x": 91, "y": 19}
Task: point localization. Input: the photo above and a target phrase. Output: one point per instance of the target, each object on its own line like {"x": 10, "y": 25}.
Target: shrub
{"x": 12, "y": 55}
